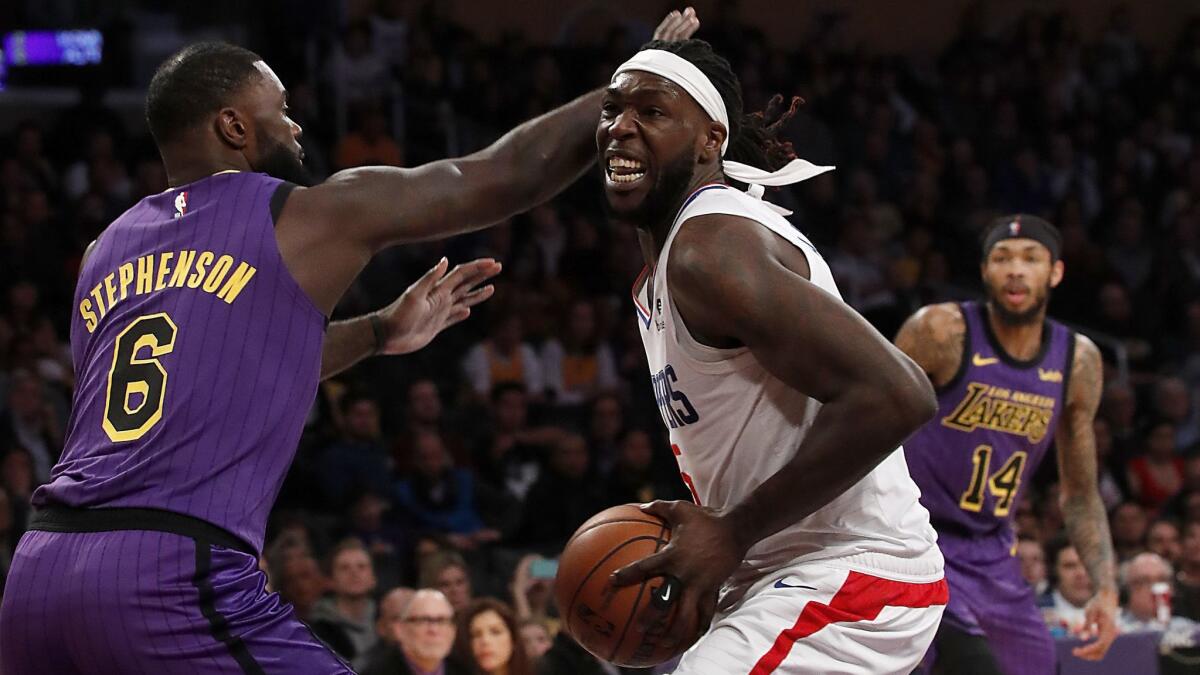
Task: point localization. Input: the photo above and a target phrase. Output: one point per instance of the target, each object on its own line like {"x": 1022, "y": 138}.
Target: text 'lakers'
{"x": 204, "y": 270}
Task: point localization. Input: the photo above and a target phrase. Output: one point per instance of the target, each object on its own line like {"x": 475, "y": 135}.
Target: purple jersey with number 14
{"x": 996, "y": 418}
{"x": 197, "y": 358}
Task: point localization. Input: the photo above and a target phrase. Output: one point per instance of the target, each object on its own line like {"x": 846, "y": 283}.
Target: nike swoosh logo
{"x": 782, "y": 584}
{"x": 666, "y": 596}
{"x": 982, "y": 361}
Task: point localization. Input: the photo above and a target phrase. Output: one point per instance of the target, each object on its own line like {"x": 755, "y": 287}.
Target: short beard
{"x": 1011, "y": 318}
{"x": 664, "y": 197}
{"x": 280, "y": 162}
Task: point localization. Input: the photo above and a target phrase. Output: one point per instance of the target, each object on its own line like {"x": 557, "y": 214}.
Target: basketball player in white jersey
{"x": 786, "y": 409}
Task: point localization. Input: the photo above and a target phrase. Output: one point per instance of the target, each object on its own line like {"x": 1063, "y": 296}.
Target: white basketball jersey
{"x": 733, "y": 425}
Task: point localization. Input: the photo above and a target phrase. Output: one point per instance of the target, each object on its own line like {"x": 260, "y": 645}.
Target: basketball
{"x": 608, "y": 621}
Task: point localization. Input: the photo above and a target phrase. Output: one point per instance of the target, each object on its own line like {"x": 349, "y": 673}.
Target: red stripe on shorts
{"x": 861, "y": 598}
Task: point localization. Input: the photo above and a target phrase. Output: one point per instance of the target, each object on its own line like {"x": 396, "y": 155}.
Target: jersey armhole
{"x": 965, "y": 358}
{"x": 279, "y": 198}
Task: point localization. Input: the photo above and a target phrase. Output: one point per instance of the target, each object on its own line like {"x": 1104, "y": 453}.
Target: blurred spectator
{"x": 346, "y": 621}
{"x": 581, "y": 365}
{"x": 358, "y": 460}
{"x": 531, "y": 588}
{"x": 507, "y": 458}
{"x": 504, "y": 357}
{"x": 16, "y": 477}
{"x": 391, "y": 612}
{"x": 564, "y": 496}
{"x": 8, "y": 535}
{"x": 1072, "y": 589}
{"x": 441, "y": 498}
{"x": 1110, "y": 486}
{"x": 1033, "y": 565}
{"x": 387, "y": 542}
{"x": 488, "y": 640}
{"x": 1188, "y": 578}
{"x": 447, "y": 572}
{"x": 633, "y": 479}
{"x": 535, "y": 636}
{"x": 1163, "y": 538}
{"x": 421, "y": 640}
{"x": 1128, "y": 527}
{"x": 356, "y": 70}
{"x": 369, "y": 144}
{"x": 606, "y": 429}
{"x": 301, "y": 583}
{"x": 1174, "y": 402}
{"x": 423, "y": 411}
{"x": 30, "y": 421}
{"x": 1147, "y": 581}
{"x": 566, "y": 657}
{"x": 1157, "y": 476}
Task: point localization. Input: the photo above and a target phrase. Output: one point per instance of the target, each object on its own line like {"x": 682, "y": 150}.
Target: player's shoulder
{"x": 1086, "y": 353}
{"x": 941, "y": 322}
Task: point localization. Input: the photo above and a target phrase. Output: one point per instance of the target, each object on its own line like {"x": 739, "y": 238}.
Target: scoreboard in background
{"x": 48, "y": 51}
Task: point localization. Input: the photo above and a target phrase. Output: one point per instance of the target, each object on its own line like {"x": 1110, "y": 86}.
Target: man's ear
{"x": 710, "y": 151}
{"x": 232, "y": 128}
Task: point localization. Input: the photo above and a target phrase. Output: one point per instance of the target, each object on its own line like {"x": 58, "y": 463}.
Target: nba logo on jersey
{"x": 180, "y": 204}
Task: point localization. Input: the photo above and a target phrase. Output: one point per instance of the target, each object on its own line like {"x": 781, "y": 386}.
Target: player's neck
{"x": 653, "y": 236}
{"x": 1021, "y": 341}
{"x": 190, "y": 162}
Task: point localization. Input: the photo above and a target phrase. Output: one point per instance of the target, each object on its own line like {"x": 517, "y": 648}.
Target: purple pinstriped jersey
{"x": 197, "y": 358}
{"x": 994, "y": 423}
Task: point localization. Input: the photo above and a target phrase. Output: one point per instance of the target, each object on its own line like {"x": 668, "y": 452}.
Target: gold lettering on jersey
{"x": 202, "y": 262}
{"x": 161, "y": 282}
{"x": 125, "y": 274}
{"x": 145, "y": 274}
{"x": 182, "y": 267}
{"x": 89, "y": 317}
{"x": 205, "y": 270}
{"x": 1012, "y": 412}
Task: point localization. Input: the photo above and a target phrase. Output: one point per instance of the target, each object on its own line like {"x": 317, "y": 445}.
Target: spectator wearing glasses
{"x": 424, "y": 635}
{"x": 1148, "y": 583}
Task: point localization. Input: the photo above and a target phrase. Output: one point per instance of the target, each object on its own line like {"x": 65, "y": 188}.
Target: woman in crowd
{"x": 489, "y": 642}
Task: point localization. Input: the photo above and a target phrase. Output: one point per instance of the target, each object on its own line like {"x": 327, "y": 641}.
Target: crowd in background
{"x": 465, "y": 467}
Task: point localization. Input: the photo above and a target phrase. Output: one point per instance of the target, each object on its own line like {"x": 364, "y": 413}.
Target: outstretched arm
{"x": 731, "y": 278}
{"x": 1083, "y": 510}
{"x": 432, "y": 304}
{"x": 328, "y": 232}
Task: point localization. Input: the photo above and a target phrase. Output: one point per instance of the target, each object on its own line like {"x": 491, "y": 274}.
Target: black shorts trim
{"x": 217, "y": 623}
{"x": 58, "y": 518}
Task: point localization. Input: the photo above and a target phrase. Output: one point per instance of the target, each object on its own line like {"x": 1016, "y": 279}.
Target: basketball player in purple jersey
{"x": 199, "y": 336}
{"x": 1009, "y": 382}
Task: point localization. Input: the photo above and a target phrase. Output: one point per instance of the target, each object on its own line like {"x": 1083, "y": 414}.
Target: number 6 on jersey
{"x": 143, "y": 376}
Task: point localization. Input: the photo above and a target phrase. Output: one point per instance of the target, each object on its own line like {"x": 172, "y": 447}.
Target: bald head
{"x": 426, "y": 629}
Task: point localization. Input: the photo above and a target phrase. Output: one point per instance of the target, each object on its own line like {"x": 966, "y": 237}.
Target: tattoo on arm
{"x": 933, "y": 337}
{"x": 1083, "y": 510}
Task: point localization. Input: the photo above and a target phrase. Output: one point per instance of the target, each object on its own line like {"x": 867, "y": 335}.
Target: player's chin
{"x": 625, "y": 198}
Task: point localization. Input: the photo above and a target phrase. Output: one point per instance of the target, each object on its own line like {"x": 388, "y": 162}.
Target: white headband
{"x": 690, "y": 78}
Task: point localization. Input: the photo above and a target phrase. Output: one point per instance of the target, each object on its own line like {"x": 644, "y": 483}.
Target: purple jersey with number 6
{"x": 197, "y": 358}
{"x": 995, "y": 420}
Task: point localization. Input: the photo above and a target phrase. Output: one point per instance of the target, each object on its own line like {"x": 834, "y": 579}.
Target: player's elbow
{"x": 911, "y": 399}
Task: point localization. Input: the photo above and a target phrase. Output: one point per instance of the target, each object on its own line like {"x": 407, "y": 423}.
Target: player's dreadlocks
{"x": 752, "y": 136}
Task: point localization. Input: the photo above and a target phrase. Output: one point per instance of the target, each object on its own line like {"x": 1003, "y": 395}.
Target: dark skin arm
{"x": 933, "y": 338}
{"x": 328, "y": 232}
{"x": 810, "y": 340}
{"x": 430, "y": 305}
{"x": 1082, "y": 508}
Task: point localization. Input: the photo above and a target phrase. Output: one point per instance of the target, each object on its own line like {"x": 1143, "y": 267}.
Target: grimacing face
{"x": 651, "y": 139}
{"x": 1017, "y": 276}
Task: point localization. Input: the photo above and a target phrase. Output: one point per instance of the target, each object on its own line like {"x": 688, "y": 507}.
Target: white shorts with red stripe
{"x": 820, "y": 618}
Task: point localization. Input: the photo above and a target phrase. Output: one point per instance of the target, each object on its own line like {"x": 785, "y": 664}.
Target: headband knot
{"x": 691, "y": 79}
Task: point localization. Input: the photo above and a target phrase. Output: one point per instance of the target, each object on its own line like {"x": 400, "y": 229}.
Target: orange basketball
{"x": 604, "y": 619}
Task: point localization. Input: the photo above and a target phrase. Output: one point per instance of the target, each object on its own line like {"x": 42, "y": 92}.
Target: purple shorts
{"x": 142, "y": 601}
{"x": 989, "y": 598}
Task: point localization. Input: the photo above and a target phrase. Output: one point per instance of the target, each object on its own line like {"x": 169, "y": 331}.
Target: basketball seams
{"x": 638, "y": 601}
{"x": 600, "y": 563}
{"x": 593, "y": 526}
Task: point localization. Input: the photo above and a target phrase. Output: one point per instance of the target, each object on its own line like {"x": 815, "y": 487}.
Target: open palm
{"x": 435, "y": 302}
